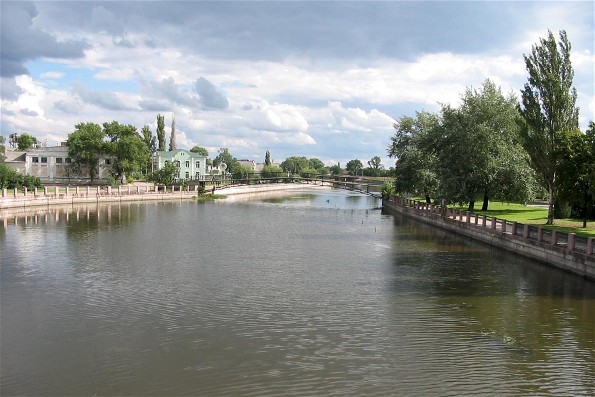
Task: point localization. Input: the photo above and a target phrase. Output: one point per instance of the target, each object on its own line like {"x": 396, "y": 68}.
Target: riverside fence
{"x": 563, "y": 250}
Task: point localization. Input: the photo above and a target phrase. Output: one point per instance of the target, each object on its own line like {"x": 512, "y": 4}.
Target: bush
{"x": 388, "y": 189}
{"x": 11, "y": 179}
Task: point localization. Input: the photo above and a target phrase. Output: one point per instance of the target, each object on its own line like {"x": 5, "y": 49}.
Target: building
{"x": 192, "y": 166}
{"x": 52, "y": 165}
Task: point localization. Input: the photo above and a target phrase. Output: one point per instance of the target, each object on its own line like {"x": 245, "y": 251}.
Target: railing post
{"x": 25, "y": 191}
{"x": 483, "y": 220}
{"x": 468, "y": 216}
{"x": 526, "y": 231}
{"x": 4, "y": 192}
{"x": 553, "y": 238}
{"x": 539, "y": 234}
{"x": 78, "y": 189}
{"x": 494, "y": 222}
{"x": 590, "y": 246}
{"x": 571, "y": 242}
{"x": 503, "y": 225}
{"x": 514, "y": 228}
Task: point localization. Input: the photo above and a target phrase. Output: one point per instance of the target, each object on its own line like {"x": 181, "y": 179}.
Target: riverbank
{"x": 549, "y": 248}
{"x": 33, "y": 201}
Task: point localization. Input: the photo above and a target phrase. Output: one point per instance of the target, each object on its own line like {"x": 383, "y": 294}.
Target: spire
{"x": 172, "y": 141}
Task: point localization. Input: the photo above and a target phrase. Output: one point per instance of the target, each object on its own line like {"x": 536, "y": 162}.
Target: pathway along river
{"x": 311, "y": 293}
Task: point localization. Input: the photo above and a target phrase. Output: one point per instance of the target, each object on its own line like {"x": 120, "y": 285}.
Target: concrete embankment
{"x": 499, "y": 233}
{"x": 98, "y": 195}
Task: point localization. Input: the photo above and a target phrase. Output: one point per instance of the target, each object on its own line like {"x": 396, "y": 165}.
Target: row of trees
{"x": 492, "y": 147}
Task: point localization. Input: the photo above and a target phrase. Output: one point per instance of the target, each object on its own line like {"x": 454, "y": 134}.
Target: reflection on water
{"x": 306, "y": 294}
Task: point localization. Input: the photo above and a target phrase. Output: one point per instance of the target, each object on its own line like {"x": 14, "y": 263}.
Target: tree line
{"x": 493, "y": 148}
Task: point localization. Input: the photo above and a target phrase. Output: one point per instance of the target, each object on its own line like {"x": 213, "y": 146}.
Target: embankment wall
{"x": 560, "y": 256}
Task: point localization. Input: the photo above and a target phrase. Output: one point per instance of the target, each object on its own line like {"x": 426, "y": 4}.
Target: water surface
{"x": 309, "y": 293}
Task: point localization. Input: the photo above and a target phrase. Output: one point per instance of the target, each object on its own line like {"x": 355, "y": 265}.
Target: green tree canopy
{"x": 414, "y": 147}
{"x": 336, "y": 169}
{"x": 577, "y": 171}
{"x": 271, "y": 171}
{"x": 85, "y": 146}
{"x": 127, "y": 147}
{"x": 25, "y": 141}
{"x": 267, "y": 158}
{"x": 295, "y": 164}
{"x": 161, "y": 132}
{"x": 225, "y": 157}
{"x": 548, "y": 109}
{"x": 200, "y": 150}
{"x": 479, "y": 152}
{"x": 354, "y": 167}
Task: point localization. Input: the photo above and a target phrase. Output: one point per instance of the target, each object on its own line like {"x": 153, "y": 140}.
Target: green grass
{"x": 534, "y": 216}
{"x": 201, "y": 198}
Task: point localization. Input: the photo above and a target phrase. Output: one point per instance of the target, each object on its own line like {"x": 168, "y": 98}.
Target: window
{"x": 198, "y": 164}
{"x": 108, "y": 161}
{"x": 197, "y": 175}
{"x": 44, "y": 159}
{"x": 177, "y": 163}
{"x": 187, "y": 164}
{"x": 187, "y": 175}
{"x": 58, "y": 160}
{"x": 35, "y": 159}
{"x": 68, "y": 160}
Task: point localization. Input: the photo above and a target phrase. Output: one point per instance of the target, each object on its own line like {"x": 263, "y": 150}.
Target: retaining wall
{"x": 504, "y": 235}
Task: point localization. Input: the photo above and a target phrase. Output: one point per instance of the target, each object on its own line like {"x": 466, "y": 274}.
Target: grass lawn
{"x": 535, "y": 216}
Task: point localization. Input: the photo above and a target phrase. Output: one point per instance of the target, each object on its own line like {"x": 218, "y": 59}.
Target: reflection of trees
{"x": 542, "y": 319}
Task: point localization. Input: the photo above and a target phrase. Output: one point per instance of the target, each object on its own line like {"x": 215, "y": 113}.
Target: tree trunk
{"x": 471, "y": 205}
{"x": 550, "y": 209}
{"x": 486, "y": 199}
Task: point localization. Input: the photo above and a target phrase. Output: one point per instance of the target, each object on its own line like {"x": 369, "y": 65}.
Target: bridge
{"x": 370, "y": 187}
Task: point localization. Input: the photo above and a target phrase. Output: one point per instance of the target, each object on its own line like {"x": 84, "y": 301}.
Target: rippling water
{"x": 310, "y": 293}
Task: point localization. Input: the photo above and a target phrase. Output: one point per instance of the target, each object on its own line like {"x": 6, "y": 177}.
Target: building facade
{"x": 192, "y": 166}
{"x": 52, "y": 165}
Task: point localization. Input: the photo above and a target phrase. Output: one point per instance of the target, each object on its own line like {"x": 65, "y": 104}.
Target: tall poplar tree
{"x": 161, "y": 132}
{"x": 548, "y": 109}
{"x": 172, "y": 139}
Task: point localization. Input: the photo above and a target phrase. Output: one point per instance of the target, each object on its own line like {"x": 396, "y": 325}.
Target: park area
{"x": 535, "y": 215}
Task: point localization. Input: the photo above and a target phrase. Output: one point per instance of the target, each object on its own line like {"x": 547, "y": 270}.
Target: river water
{"x": 313, "y": 293}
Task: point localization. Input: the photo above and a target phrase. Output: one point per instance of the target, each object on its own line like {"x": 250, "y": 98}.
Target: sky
{"x": 316, "y": 79}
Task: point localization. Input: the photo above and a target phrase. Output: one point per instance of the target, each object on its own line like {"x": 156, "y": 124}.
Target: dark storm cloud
{"x": 20, "y": 41}
{"x": 209, "y": 97}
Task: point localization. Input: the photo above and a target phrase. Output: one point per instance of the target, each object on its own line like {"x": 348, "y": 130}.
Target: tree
{"x": 200, "y": 150}
{"x": 548, "y": 109}
{"x": 225, "y": 157}
{"x": 354, "y": 167}
{"x": 161, "y": 132}
{"x": 25, "y": 141}
{"x": 172, "y": 139}
{"x": 166, "y": 175}
{"x": 271, "y": 171}
{"x": 577, "y": 172}
{"x": 85, "y": 146}
{"x": 414, "y": 145}
{"x": 267, "y": 158}
{"x": 317, "y": 165}
{"x": 11, "y": 179}
{"x": 374, "y": 166}
{"x": 295, "y": 164}
{"x": 478, "y": 149}
{"x": 150, "y": 142}
{"x": 336, "y": 169}
{"x": 127, "y": 147}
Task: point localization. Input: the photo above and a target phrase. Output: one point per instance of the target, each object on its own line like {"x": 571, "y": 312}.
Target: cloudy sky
{"x": 315, "y": 79}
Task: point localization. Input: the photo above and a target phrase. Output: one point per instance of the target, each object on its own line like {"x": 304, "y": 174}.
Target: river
{"x": 313, "y": 293}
